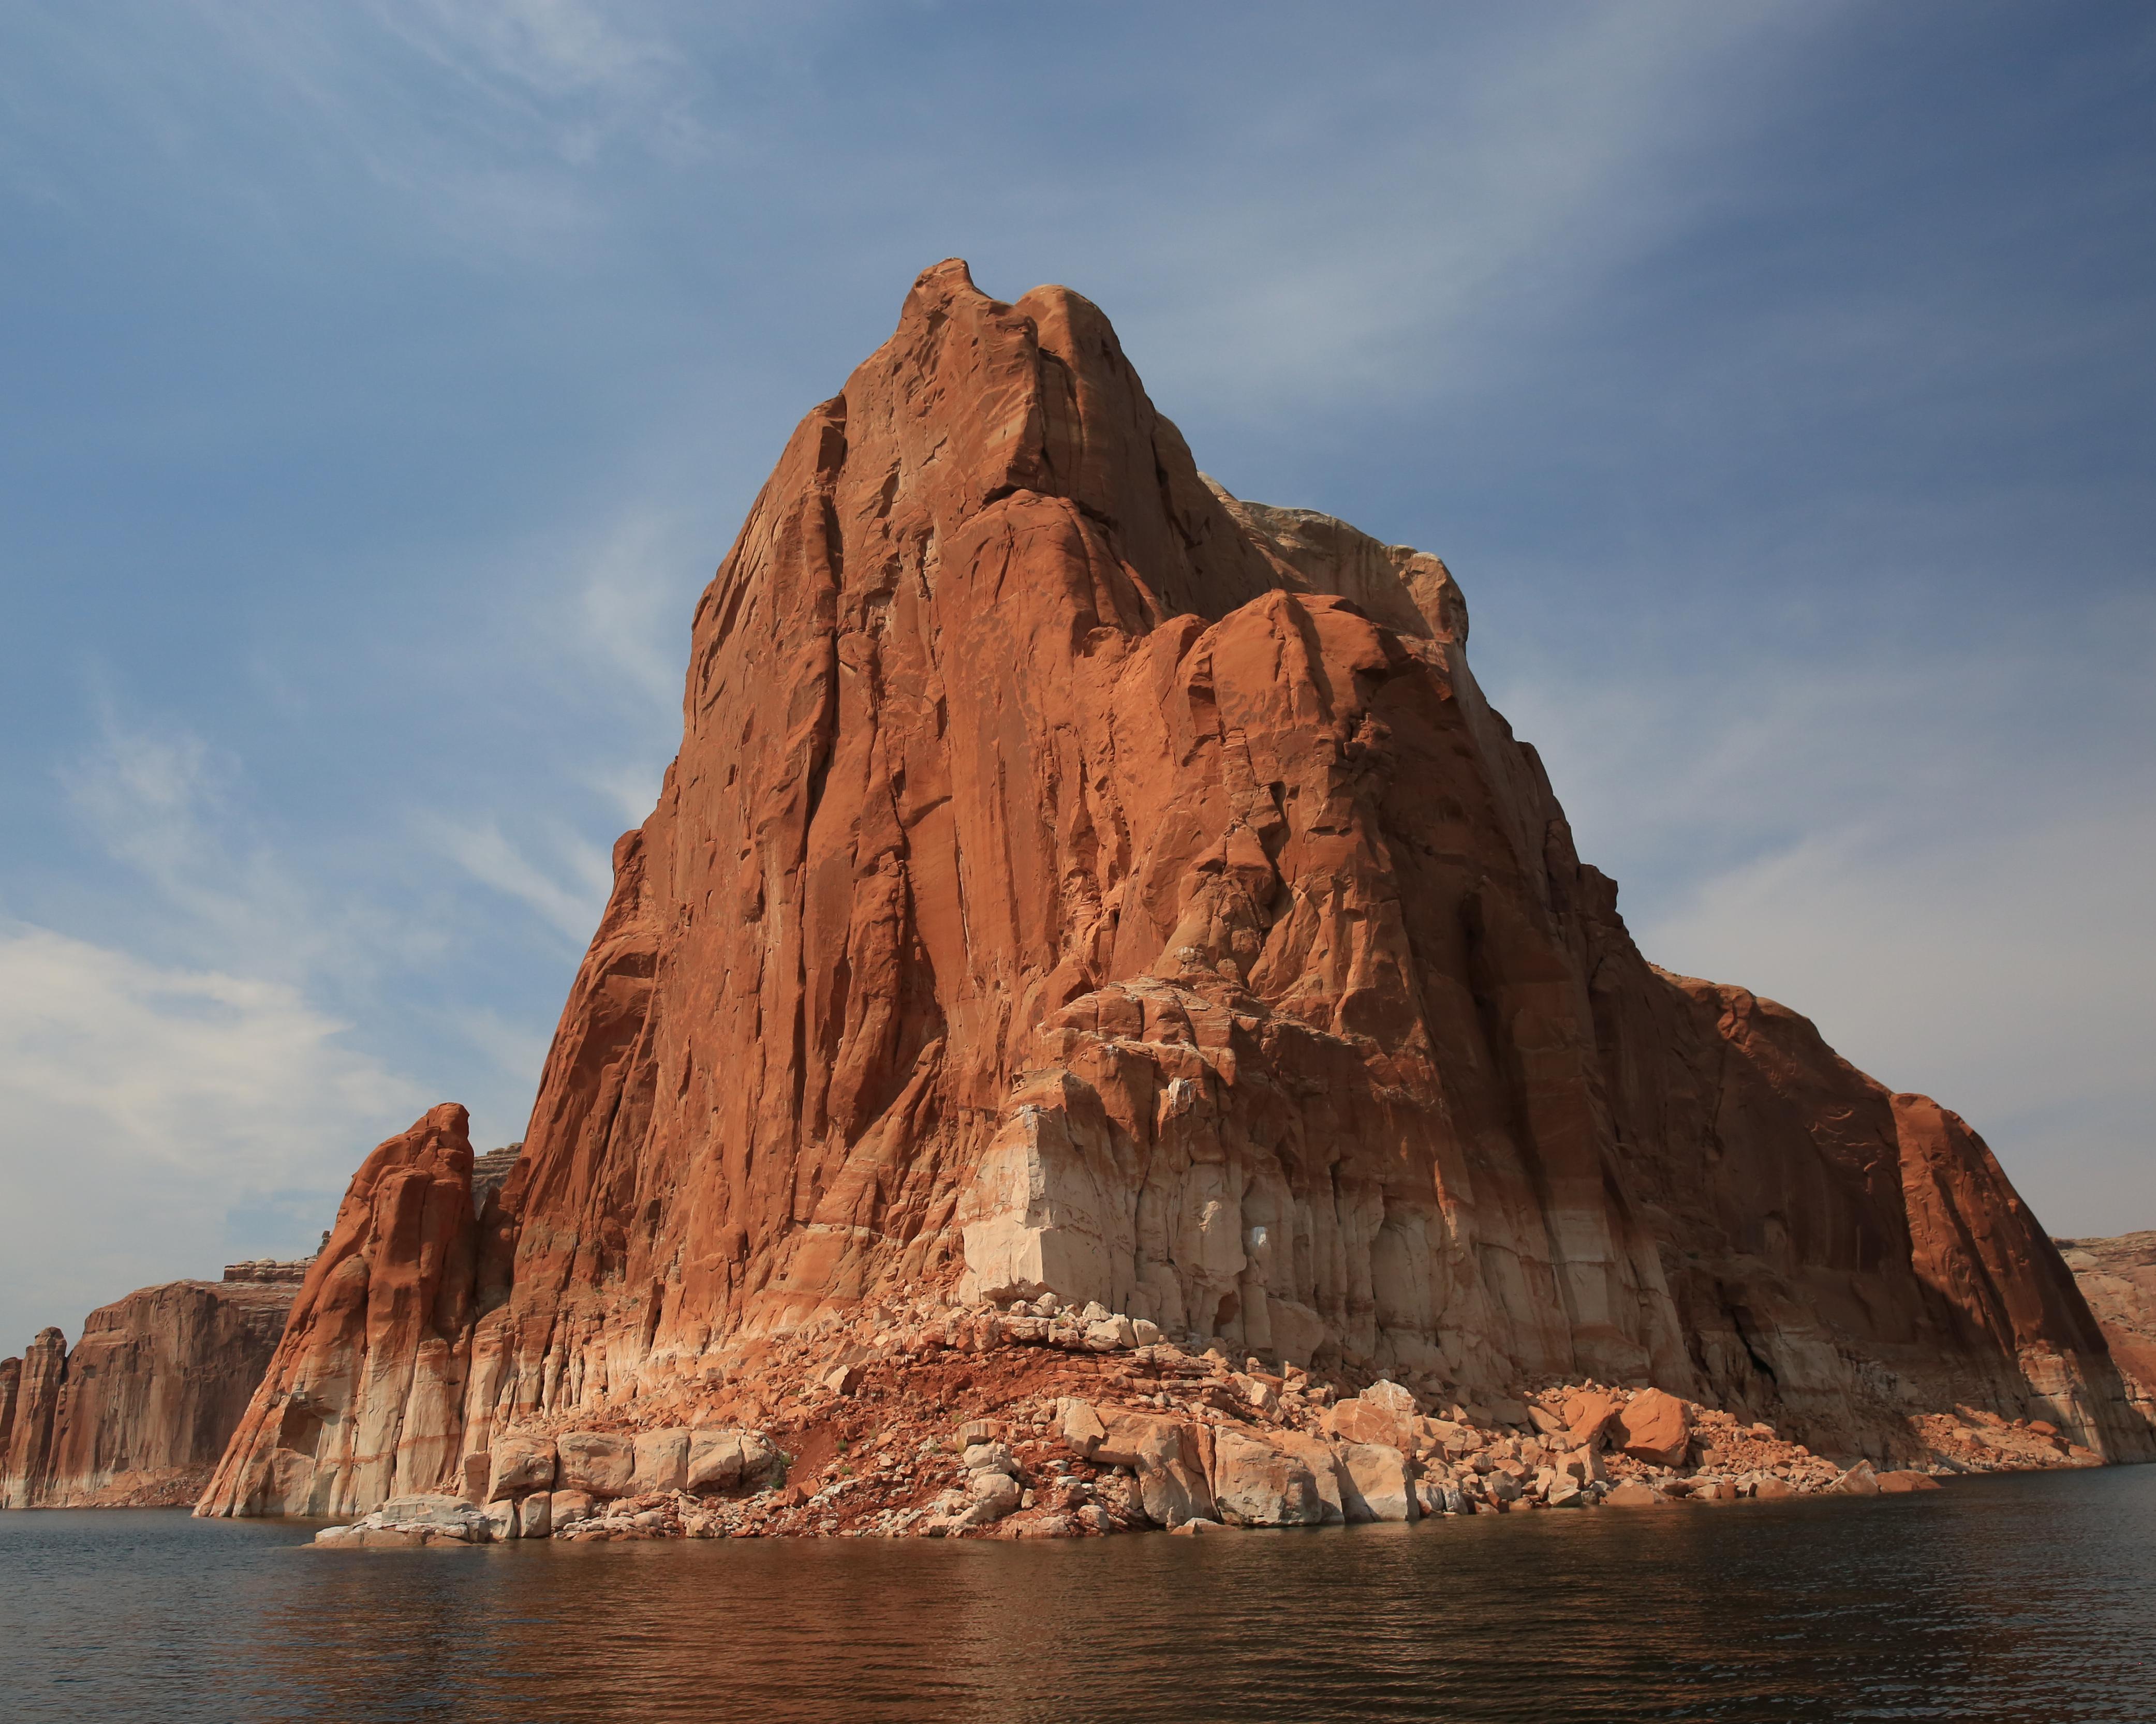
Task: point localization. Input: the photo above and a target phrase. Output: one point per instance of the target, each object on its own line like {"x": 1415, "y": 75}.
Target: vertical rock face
{"x": 37, "y": 1404}
{"x": 11, "y": 1381}
{"x": 138, "y": 1414}
{"x": 1076, "y": 880}
{"x": 362, "y": 1399}
{"x": 2118, "y": 1277}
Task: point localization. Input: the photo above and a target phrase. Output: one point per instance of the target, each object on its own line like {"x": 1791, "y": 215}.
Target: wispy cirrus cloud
{"x": 566, "y": 889}
{"x": 146, "y": 1104}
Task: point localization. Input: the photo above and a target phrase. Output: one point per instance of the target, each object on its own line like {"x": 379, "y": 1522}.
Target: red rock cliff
{"x": 139, "y": 1412}
{"x": 1075, "y": 879}
{"x": 363, "y": 1400}
{"x": 2118, "y": 1277}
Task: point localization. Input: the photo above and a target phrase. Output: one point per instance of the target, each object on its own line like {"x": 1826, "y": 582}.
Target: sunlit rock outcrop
{"x": 1075, "y": 880}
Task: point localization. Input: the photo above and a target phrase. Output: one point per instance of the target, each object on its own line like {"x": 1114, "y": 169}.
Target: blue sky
{"x": 384, "y": 378}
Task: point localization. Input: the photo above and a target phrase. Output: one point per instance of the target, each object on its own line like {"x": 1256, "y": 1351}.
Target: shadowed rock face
{"x": 138, "y": 1414}
{"x": 1073, "y": 879}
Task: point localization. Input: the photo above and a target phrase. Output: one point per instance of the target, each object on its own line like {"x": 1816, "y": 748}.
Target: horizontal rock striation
{"x": 1077, "y": 881}
{"x": 139, "y": 1412}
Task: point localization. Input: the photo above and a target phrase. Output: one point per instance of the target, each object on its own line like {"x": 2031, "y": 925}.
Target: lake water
{"x": 2031, "y": 1597}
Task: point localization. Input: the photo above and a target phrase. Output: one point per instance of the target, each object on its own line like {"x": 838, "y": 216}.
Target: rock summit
{"x": 1080, "y": 888}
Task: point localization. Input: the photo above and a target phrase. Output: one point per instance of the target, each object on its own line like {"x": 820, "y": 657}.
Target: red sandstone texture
{"x": 363, "y": 1400}
{"x": 1075, "y": 881}
{"x": 2118, "y": 1277}
{"x": 137, "y": 1415}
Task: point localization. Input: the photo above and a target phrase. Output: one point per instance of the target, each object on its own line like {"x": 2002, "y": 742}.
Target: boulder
{"x": 1081, "y": 1427}
{"x": 1584, "y": 1466}
{"x": 535, "y": 1515}
{"x": 426, "y": 1510}
{"x": 503, "y": 1522}
{"x": 1165, "y": 1454}
{"x": 565, "y": 1508}
{"x": 1591, "y": 1416}
{"x": 1655, "y": 1428}
{"x": 424, "y": 1519}
{"x": 591, "y": 1460}
{"x": 1112, "y": 1334}
{"x": 1633, "y": 1495}
{"x": 714, "y": 1460}
{"x": 520, "y": 1463}
{"x": 662, "y": 1460}
{"x": 1900, "y": 1483}
{"x": 994, "y": 1495}
{"x": 1860, "y": 1480}
{"x": 1382, "y": 1413}
{"x": 1322, "y": 1462}
{"x": 1256, "y": 1483}
{"x": 1378, "y": 1486}
{"x": 1771, "y": 1491}
{"x": 988, "y": 1458}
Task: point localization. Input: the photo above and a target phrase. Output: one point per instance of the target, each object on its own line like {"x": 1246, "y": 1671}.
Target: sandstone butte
{"x": 138, "y": 1413}
{"x": 1101, "y": 980}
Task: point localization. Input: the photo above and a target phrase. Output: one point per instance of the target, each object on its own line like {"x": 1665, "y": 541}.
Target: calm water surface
{"x": 2028, "y": 1598}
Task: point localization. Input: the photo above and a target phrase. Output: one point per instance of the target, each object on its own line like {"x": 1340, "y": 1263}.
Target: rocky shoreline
{"x": 921, "y": 1420}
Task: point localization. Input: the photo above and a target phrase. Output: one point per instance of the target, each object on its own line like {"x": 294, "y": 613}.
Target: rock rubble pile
{"x": 919, "y": 1419}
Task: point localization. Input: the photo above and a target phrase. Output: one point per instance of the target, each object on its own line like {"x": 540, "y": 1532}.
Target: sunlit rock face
{"x": 1076, "y": 880}
{"x": 138, "y": 1412}
{"x": 364, "y": 1398}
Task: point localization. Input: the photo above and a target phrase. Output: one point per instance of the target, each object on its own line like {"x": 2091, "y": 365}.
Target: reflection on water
{"x": 2030, "y": 1598}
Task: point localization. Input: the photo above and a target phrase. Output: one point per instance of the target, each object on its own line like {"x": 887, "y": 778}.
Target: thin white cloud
{"x": 142, "y": 1103}
{"x": 518, "y": 1049}
{"x": 569, "y": 892}
{"x": 1521, "y": 170}
{"x": 1943, "y": 863}
{"x": 156, "y": 797}
{"x": 629, "y": 619}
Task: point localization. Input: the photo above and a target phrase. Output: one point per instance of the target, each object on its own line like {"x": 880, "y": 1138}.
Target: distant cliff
{"x": 2118, "y": 1277}
{"x": 137, "y": 1414}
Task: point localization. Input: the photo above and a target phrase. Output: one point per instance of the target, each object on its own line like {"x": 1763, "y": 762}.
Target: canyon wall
{"x": 1076, "y": 880}
{"x": 139, "y": 1412}
{"x": 2118, "y": 1277}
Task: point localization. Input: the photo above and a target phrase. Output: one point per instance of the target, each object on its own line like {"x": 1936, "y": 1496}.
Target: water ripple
{"x": 1997, "y": 1599}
